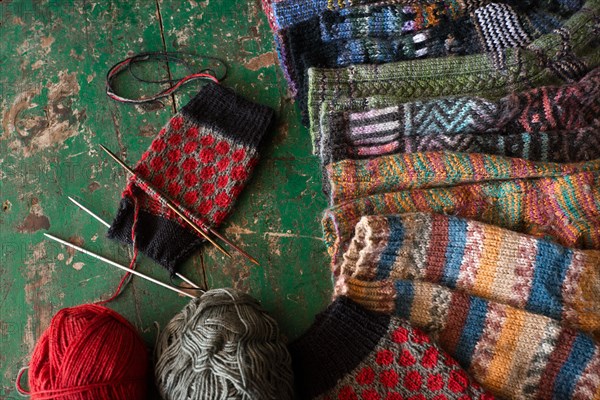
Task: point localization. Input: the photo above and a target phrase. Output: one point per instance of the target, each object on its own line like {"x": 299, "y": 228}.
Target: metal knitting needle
{"x": 168, "y": 202}
{"x": 103, "y": 222}
{"x": 201, "y": 230}
{"x": 106, "y": 260}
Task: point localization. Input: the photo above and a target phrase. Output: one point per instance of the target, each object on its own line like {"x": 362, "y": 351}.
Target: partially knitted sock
{"x": 351, "y": 179}
{"x": 511, "y": 352}
{"x": 202, "y": 160}
{"x": 475, "y": 75}
{"x": 564, "y": 209}
{"x": 351, "y": 353}
{"x": 483, "y": 260}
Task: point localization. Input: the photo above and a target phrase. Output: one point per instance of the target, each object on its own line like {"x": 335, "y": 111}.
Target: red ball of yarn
{"x": 89, "y": 352}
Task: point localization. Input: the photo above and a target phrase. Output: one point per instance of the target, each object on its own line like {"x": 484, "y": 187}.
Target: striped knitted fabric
{"x": 565, "y": 107}
{"x": 350, "y": 353}
{"x": 351, "y": 179}
{"x": 512, "y": 352}
{"x": 483, "y": 260}
{"x": 375, "y": 39}
{"x": 564, "y": 209}
{"x": 565, "y": 54}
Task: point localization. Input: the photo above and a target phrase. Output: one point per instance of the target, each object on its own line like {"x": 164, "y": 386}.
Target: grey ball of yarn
{"x": 223, "y": 346}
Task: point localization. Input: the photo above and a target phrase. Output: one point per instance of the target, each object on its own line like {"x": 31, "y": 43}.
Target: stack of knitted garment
{"x": 460, "y": 149}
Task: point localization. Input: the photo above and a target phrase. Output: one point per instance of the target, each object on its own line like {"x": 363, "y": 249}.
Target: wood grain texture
{"x": 54, "y": 111}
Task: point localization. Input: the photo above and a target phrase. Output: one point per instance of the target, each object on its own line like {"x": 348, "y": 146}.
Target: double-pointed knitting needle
{"x": 124, "y": 268}
{"x": 103, "y": 222}
{"x": 148, "y": 188}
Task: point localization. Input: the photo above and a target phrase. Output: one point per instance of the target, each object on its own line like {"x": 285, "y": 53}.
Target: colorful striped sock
{"x": 351, "y": 179}
{"x": 564, "y": 209}
{"x": 511, "y": 352}
{"x": 351, "y": 353}
{"x": 482, "y": 260}
{"x": 474, "y": 75}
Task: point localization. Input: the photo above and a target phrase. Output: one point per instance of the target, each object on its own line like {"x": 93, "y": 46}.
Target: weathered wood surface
{"x": 53, "y": 57}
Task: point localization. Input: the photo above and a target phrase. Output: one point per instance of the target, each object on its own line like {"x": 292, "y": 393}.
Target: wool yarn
{"x": 223, "y": 346}
{"x": 565, "y": 54}
{"x": 351, "y": 353}
{"x": 564, "y": 209}
{"x": 512, "y": 352}
{"x": 351, "y": 179}
{"x": 202, "y": 159}
{"x": 483, "y": 260}
{"x": 89, "y": 352}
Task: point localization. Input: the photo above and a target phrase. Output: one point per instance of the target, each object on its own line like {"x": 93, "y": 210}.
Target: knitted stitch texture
{"x": 350, "y": 179}
{"x": 202, "y": 160}
{"x": 565, "y": 54}
{"x": 368, "y": 35}
{"x": 511, "y": 352}
{"x": 350, "y": 353}
{"x": 564, "y": 209}
{"x": 483, "y": 260}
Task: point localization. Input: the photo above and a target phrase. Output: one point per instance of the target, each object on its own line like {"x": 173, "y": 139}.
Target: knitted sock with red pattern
{"x": 350, "y": 353}
{"x": 201, "y": 160}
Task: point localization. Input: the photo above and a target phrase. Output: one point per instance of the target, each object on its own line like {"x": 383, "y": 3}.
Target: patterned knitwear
{"x": 201, "y": 160}
{"x": 483, "y": 260}
{"x": 566, "y": 54}
{"x": 564, "y": 209}
{"x": 393, "y": 33}
{"x": 513, "y": 353}
{"x": 350, "y": 353}
{"x": 351, "y": 179}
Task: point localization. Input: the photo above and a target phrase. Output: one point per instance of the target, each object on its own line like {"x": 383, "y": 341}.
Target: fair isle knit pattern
{"x": 387, "y": 21}
{"x": 483, "y": 260}
{"x": 510, "y": 351}
{"x": 351, "y": 179}
{"x": 201, "y": 159}
{"x": 565, "y": 54}
{"x": 350, "y": 353}
{"x": 564, "y": 209}
{"x": 546, "y": 108}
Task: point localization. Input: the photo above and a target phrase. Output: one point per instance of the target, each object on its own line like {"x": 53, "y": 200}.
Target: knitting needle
{"x": 106, "y": 260}
{"x": 168, "y": 203}
{"x": 176, "y": 209}
{"x": 103, "y": 222}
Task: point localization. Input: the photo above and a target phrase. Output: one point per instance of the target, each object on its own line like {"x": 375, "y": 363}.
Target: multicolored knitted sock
{"x": 567, "y": 54}
{"x": 566, "y": 107}
{"x": 564, "y": 209}
{"x": 351, "y": 179}
{"x": 350, "y": 353}
{"x": 202, "y": 160}
{"x": 483, "y": 260}
{"x": 511, "y": 352}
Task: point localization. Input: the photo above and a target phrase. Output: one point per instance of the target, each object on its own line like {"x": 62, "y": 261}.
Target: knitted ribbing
{"x": 351, "y": 179}
{"x": 543, "y": 62}
{"x": 350, "y": 353}
{"x": 483, "y": 260}
{"x": 512, "y": 352}
{"x": 565, "y": 209}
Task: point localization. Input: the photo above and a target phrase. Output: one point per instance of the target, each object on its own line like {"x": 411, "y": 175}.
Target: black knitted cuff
{"x": 163, "y": 240}
{"x": 341, "y": 337}
{"x": 239, "y": 119}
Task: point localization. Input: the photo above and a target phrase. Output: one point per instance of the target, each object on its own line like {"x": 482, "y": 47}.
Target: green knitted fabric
{"x": 565, "y": 209}
{"x": 564, "y": 55}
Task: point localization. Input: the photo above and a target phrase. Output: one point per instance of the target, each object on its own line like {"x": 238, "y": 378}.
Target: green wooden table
{"x": 54, "y": 111}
